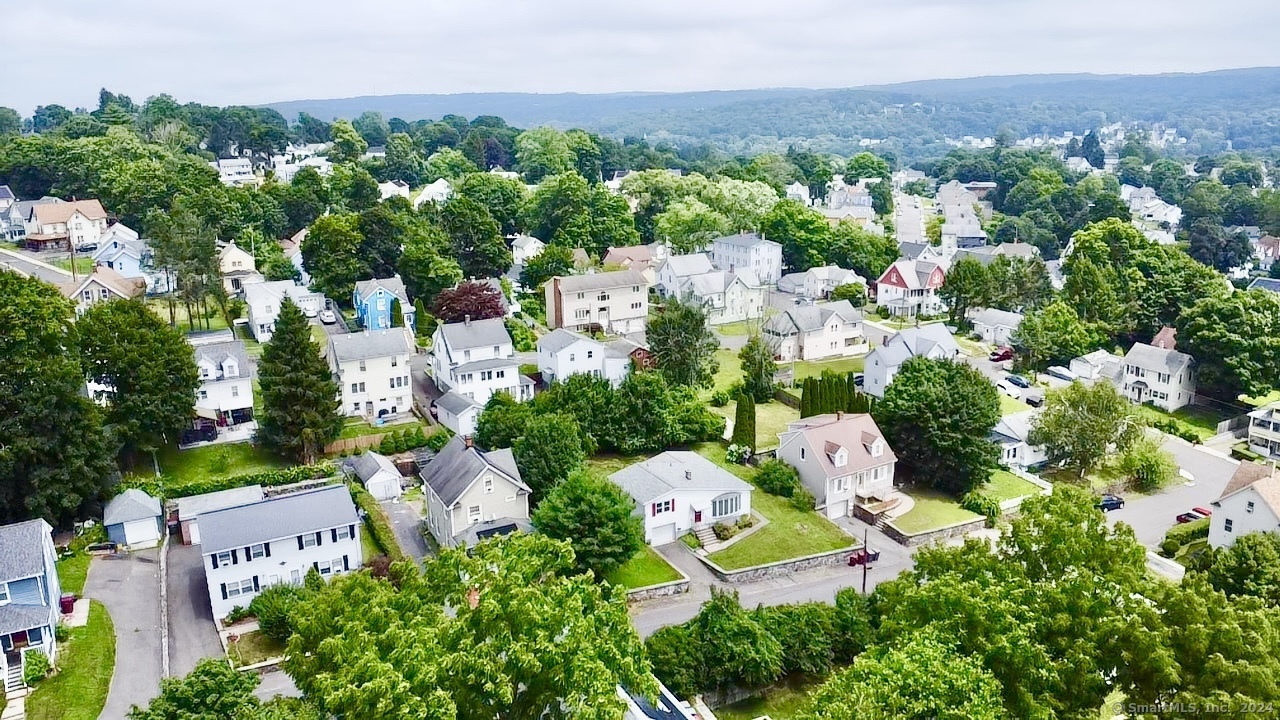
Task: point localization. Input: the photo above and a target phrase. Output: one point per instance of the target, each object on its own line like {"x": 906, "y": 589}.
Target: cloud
{"x": 243, "y": 51}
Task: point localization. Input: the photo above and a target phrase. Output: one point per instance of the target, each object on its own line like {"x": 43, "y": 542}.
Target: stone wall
{"x": 930, "y": 536}
{"x": 777, "y": 569}
{"x": 675, "y": 587}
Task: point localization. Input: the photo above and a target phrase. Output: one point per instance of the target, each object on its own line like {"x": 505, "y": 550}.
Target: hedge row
{"x": 164, "y": 488}
{"x": 1186, "y": 532}
{"x": 377, "y": 522}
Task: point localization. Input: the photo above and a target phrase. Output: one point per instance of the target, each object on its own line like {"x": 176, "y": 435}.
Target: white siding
{"x": 285, "y": 560}
{"x": 1243, "y": 519}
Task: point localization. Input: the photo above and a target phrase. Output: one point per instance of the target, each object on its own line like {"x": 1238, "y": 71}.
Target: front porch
{"x": 15, "y": 646}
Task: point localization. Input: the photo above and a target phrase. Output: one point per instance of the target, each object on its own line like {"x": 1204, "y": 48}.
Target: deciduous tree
{"x": 502, "y": 421}
{"x": 1235, "y": 339}
{"x": 1080, "y": 422}
{"x": 212, "y": 689}
{"x": 549, "y": 449}
{"x": 966, "y": 286}
{"x": 348, "y": 145}
{"x": 554, "y": 260}
{"x": 476, "y": 238}
{"x": 683, "y": 345}
{"x": 472, "y": 300}
{"x": 331, "y": 254}
{"x": 594, "y": 516}
{"x": 1052, "y": 334}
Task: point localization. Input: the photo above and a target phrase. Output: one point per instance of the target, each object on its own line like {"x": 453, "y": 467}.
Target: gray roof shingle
{"x": 218, "y": 352}
{"x": 370, "y": 344}
{"x": 456, "y": 403}
{"x": 277, "y": 518}
{"x": 132, "y": 504}
{"x": 477, "y": 333}
{"x": 457, "y": 467}
{"x": 393, "y": 285}
{"x": 1154, "y": 358}
{"x": 370, "y": 463}
{"x": 674, "y": 470}
{"x": 601, "y": 281}
{"x": 22, "y": 549}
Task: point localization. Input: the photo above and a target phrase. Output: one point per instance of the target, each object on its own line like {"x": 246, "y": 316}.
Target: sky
{"x": 256, "y": 51}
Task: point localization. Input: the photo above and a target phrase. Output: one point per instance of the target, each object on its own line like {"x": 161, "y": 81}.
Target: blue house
{"x": 373, "y": 300}
{"x": 122, "y": 250}
{"x": 29, "y": 593}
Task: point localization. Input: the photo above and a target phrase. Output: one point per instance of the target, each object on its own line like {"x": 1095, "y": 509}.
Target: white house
{"x": 1249, "y": 503}
{"x": 225, "y": 395}
{"x": 932, "y": 341}
{"x": 1013, "y": 434}
{"x": 1161, "y": 376}
{"x": 1098, "y": 365}
{"x": 238, "y": 268}
{"x": 800, "y": 192}
{"x": 278, "y": 540}
{"x": 395, "y": 188}
{"x": 562, "y": 353}
{"x": 378, "y": 475}
{"x": 816, "y": 332}
{"x": 525, "y": 248}
{"x": 29, "y": 612}
{"x": 457, "y": 412}
{"x": 680, "y": 491}
{"x": 818, "y": 282}
{"x": 475, "y": 359}
{"x": 674, "y": 273}
{"x": 64, "y": 225}
{"x": 727, "y": 296}
{"x": 437, "y": 192}
{"x": 102, "y": 285}
{"x": 995, "y": 326}
{"x": 264, "y": 299}
{"x": 234, "y": 172}
{"x": 134, "y": 519}
{"x": 644, "y": 258}
{"x": 1264, "y": 431}
{"x": 748, "y": 250}
{"x": 121, "y": 249}
{"x": 909, "y": 288}
{"x": 612, "y": 302}
{"x": 473, "y": 495}
{"x": 192, "y": 507}
{"x": 843, "y": 460}
{"x": 372, "y": 370}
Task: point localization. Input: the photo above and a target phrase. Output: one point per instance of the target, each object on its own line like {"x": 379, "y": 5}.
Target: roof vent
{"x": 688, "y": 474}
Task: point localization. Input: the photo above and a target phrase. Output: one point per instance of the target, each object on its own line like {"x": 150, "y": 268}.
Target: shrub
{"x": 35, "y": 667}
{"x": 722, "y": 531}
{"x": 273, "y": 605}
{"x": 737, "y": 454}
{"x": 882, "y": 312}
{"x": 802, "y": 499}
{"x": 61, "y": 633}
{"x": 691, "y": 541}
{"x": 438, "y": 439}
{"x": 777, "y": 478}
{"x": 1170, "y": 426}
{"x": 1169, "y": 547}
{"x": 162, "y": 488}
{"x": 237, "y": 614}
{"x": 745, "y": 522}
{"x": 1147, "y": 466}
{"x": 1186, "y": 532}
{"x": 984, "y": 505}
{"x": 376, "y": 522}
{"x": 720, "y": 398}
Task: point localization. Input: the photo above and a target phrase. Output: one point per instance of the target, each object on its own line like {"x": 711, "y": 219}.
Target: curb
{"x": 164, "y": 607}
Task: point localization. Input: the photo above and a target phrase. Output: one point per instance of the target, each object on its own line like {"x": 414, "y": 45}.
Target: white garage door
{"x": 838, "y": 509}
{"x": 663, "y": 534}
{"x": 195, "y": 532}
{"x": 141, "y": 533}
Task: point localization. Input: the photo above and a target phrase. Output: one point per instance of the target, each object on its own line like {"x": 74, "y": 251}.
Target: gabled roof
{"x": 629, "y": 254}
{"x": 810, "y": 318}
{"x": 370, "y": 344}
{"x": 525, "y": 241}
{"x": 1260, "y": 477}
{"x": 910, "y": 274}
{"x": 559, "y": 339}
{"x": 993, "y": 317}
{"x": 1268, "y": 284}
{"x": 924, "y": 339}
{"x": 456, "y": 403}
{"x": 1153, "y": 358}
{"x": 601, "y": 281}
{"x": 218, "y": 353}
{"x": 457, "y": 466}
{"x": 394, "y": 285}
{"x": 1167, "y": 338}
{"x": 747, "y": 239}
{"x": 371, "y": 463}
{"x": 194, "y": 506}
{"x": 689, "y": 265}
{"x": 1016, "y": 426}
{"x": 60, "y": 212}
{"x": 277, "y": 518}
{"x": 855, "y": 433}
{"x": 476, "y": 333}
{"x": 674, "y": 470}
{"x": 6, "y": 193}
{"x": 132, "y": 504}
{"x": 22, "y": 549}
{"x": 109, "y": 279}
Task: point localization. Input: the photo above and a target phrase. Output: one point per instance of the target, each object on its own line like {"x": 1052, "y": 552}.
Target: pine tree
{"x": 851, "y": 392}
{"x": 300, "y": 413}
{"x": 744, "y": 422}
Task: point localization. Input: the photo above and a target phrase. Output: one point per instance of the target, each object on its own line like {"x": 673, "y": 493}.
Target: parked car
{"x": 328, "y": 317}
{"x": 310, "y": 312}
{"x": 1203, "y": 511}
{"x": 88, "y": 247}
{"x": 1190, "y": 516}
{"x": 1010, "y": 390}
{"x": 1001, "y": 354}
{"x": 859, "y": 378}
{"x": 1110, "y": 502}
{"x": 1034, "y": 398}
{"x": 1019, "y": 381}
{"x": 1061, "y": 373}
{"x": 863, "y": 556}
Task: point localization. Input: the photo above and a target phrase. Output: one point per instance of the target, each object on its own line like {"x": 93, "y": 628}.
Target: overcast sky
{"x": 258, "y": 51}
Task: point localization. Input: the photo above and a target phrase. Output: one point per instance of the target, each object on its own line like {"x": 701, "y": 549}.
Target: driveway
{"x": 192, "y": 633}
{"x": 406, "y": 522}
{"x": 275, "y": 683}
{"x": 1151, "y": 516}
{"x": 129, "y": 586}
{"x": 425, "y": 392}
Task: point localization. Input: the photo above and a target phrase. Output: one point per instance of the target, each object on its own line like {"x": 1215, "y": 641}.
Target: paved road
{"x": 129, "y": 586}
{"x": 406, "y": 522}
{"x": 1151, "y": 516}
{"x": 275, "y": 683}
{"x": 192, "y": 633}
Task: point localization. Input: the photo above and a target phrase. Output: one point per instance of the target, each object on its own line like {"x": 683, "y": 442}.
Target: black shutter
{"x": 316, "y": 566}
{"x": 248, "y": 556}
{"x": 334, "y": 532}
{"x": 235, "y": 560}
{"x": 255, "y": 583}
{"x": 346, "y": 565}
{"x": 215, "y": 561}
{"x": 224, "y": 591}
{"x": 267, "y": 547}
{"x": 319, "y": 539}
{"x": 352, "y": 530}
{"x": 299, "y": 542}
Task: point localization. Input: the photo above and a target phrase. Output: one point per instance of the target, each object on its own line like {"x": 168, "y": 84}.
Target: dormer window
{"x": 877, "y": 448}
{"x": 231, "y": 369}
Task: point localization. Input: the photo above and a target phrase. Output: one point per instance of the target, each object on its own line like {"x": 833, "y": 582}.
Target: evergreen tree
{"x": 300, "y": 413}
{"x": 744, "y": 422}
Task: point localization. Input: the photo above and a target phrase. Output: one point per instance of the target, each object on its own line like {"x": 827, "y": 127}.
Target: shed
{"x": 379, "y": 475}
{"x": 133, "y": 518}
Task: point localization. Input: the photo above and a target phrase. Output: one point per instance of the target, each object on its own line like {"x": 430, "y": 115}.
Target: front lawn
{"x": 1004, "y": 485}
{"x": 1107, "y": 478}
{"x": 1009, "y": 406}
{"x": 808, "y": 368}
{"x": 791, "y": 533}
{"x": 771, "y": 419}
{"x": 252, "y": 648}
{"x": 932, "y": 510}
{"x": 72, "y": 571}
{"x": 85, "y": 664}
{"x": 1194, "y": 419}
{"x": 184, "y": 466}
{"x": 84, "y": 264}
{"x": 645, "y": 569}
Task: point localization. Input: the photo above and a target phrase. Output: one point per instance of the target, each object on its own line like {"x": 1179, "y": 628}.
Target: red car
{"x": 1190, "y": 516}
{"x": 1002, "y": 354}
{"x": 1203, "y": 511}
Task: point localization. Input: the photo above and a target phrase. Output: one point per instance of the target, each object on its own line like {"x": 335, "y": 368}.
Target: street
{"x": 1151, "y": 516}
{"x": 908, "y": 218}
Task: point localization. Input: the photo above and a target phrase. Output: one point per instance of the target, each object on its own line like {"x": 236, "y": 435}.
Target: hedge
{"x": 377, "y": 522}
{"x": 1186, "y": 532}
{"x": 161, "y": 488}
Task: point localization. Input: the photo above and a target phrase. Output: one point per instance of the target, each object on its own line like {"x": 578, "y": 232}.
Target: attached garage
{"x": 838, "y": 509}
{"x": 663, "y": 535}
{"x": 133, "y": 519}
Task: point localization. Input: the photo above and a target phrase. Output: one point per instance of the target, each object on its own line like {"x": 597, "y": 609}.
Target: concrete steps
{"x": 706, "y": 535}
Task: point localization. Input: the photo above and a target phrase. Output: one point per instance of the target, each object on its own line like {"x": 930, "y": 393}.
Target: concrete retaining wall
{"x": 929, "y": 536}
{"x": 756, "y": 573}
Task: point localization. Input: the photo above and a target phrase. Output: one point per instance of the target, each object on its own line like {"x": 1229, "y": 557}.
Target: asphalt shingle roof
{"x": 601, "y": 281}
{"x": 1153, "y": 358}
{"x": 393, "y": 285}
{"x": 455, "y": 403}
{"x": 370, "y": 463}
{"x": 370, "y": 344}
{"x": 22, "y": 549}
{"x": 132, "y": 504}
{"x": 674, "y": 470}
{"x": 477, "y": 333}
{"x": 457, "y": 467}
{"x": 277, "y": 518}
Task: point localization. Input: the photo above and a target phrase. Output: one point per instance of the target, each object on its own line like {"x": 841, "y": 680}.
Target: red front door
{"x": 697, "y": 516}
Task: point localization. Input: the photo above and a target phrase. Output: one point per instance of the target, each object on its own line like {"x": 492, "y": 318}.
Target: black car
{"x": 1019, "y": 381}
{"x": 1110, "y": 502}
{"x": 859, "y": 378}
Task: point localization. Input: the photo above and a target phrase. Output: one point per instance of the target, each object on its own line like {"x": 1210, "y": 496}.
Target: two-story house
{"x": 909, "y": 288}
{"x": 278, "y": 540}
{"x": 475, "y": 359}
{"x": 102, "y": 285}
{"x": 749, "y": 250}
{"x": 121, "y": 249}
{"x": 674, "y": 274}
{"x": 235, "y": 172}
{"x": 525, "y": 247}
{"x": 374, "y": 301}
{"x": 473, "y": 494}
{"x": 1013, "y": 436}
{"x": 237, "y": 267}
{"x": 263, "y": 301}
{"x": 799, "y": 192}
{"x": 1249, "y": 503}
{"x": 64, "y": 225}
{"x": 1161, "y": 376}
{"x": 680, "y": 491}
{"x": 1264, "y": 431}
{"x": 643, "y": 258}
{"x": 29, "y": 594}
{"x": 611, "y": 302}
{"x": 372, "y": 370}
{"x": 818, "y": 282}
{"x": 727, "y": 296}
{"x": 562, "y": 353}
{"x": 932, "y": 341}
{"x": 816, "y": 332}
{"x": 842, "y": 459}
{"x": 225, "y": 395}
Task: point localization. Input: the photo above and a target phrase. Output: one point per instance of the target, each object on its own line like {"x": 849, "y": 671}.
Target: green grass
{"x": 1102, "y": 479}
{"x": 807, "y": 368}
{"x": 357, "y": 427}
{"x": 1273, "y": 396}
{"x": 729, "y": 372}
{"x": 1183, "y": 556}
{"x": 72, "y": 571}
{"x": 742, "y": 327}
{"x": 79, "y": 690}
{"x": 252, "y": 648}
{"x": 606, "y": 464}
{"x": 932, "y": 510}
{"x": 370, "y": 548}
{"x": 791, "y": 533}
{"x": 779, "y": 703}
{"x": 645, "y": 569}
{"x": 184, "y": 466}
{"x": 1004, "y": 485}
{"x": 771, "y": 419}
{"x": 1201, "y": 421}
{"x": 84, "y": 264}
{"x": 183, "y": 321}
{"x": 1009, "y": 406}
{"x": 972, "y": 348}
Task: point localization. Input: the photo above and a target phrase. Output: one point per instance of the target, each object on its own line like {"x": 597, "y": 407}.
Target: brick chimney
{"x": 468, "y": 440}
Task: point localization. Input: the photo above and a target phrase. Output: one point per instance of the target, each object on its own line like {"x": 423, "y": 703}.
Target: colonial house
{"x": 278, "y": 540}
{"x": 644, "y": 258}
{"x": 237, "y": 267}
{"x": 995, "y": 326}
{"x": 64, "y": 225}
{"x": 562, "y": 353}
{"x": 102, "y": 285}
{"x": 728, "y": 296}
{"x": 611, "y": 302}
{"x": 235, "y": 172}
{"x": 816, "y": 332}
{"x": 30, "y": 591}
{"x": 1164, "y": 377}
{"x": 437, "y": 192}
{"x": 674, "y": 274}
{"x": 1012, "y": 434}
{"x": 748, "y": 251}
{"x": 378, "y": 474}
{"x": 680, "y": 491}
{"x": 473, "y": 495}
{"x": 526, "y": 247}
{"x": 475, "y": 359}
{"x": 225, "y": 395}
{"x": 1250, "y": 503}
{"x": 395, "y": 188}
{"x": 818, "y": 282}
{"x": 1264, "y": 431}
{"x": 932, "y": 341}
{"x": 134, "y": 519}
{"x": 265, "y": 298}
{"x": 909, "y": 288}
{"x": 374, "y": 301}
{"x": 121, "y": 249}
{"x": 842, "y": 459}
{"x": 799, "y": 192}
{"x": 372, "y": 370}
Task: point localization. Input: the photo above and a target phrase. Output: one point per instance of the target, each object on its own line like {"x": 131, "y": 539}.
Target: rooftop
{"x": 855, "y": 433}
{"x": 369, "y": 344}
{"x": 458, "y": 465}
{"x": 132, "y": 504}
{"x": 675, "y": 470}
{"x": 22, "y": 549}
{"x": 275, "y": 518}
{"x": 475, "y": 333}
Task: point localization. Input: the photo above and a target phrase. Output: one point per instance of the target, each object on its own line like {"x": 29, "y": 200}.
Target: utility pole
{"x": 866, "y": 534}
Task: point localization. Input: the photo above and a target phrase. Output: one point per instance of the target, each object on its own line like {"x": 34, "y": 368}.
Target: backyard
{"x": 1194, "y": 419}
{"x": 185, "y": 466}
{"x": 79, "y": 690}
{"x": 72, "y": 571}
{"x": 807, "y": 368}
{"x": 771, "y": 419}
{"x": 84, "y": 264}
{"x": 182, "y": 320}
{"x": 645, "y": 569}
{"x": 357, "y": 427}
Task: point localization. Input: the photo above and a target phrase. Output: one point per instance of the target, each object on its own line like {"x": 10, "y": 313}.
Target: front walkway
{"x": 129, "y": 586}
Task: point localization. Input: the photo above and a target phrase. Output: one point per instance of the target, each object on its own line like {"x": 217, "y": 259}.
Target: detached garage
{"x": 379, "y": 475}
{"x": 133, "y": 518}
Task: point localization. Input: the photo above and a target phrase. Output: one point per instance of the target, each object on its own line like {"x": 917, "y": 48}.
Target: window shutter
{"x": 346, "y": 564}
{"x": 215, "y": 560}
{"x": 299, "y": 542}
{"x": 352, "y": 529}
{"x": 248, "y": 556}
{"x": 316, "y": 566}
{"x": 267, "y": 548}
{"x": 653, "y": 509}
{"x": 319, "y": 539}
{"x": 334, "y": 533}
{"x": 255, "y": 583}
{"x": 235, "y": 560}
{"x": 224, "y": 591}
